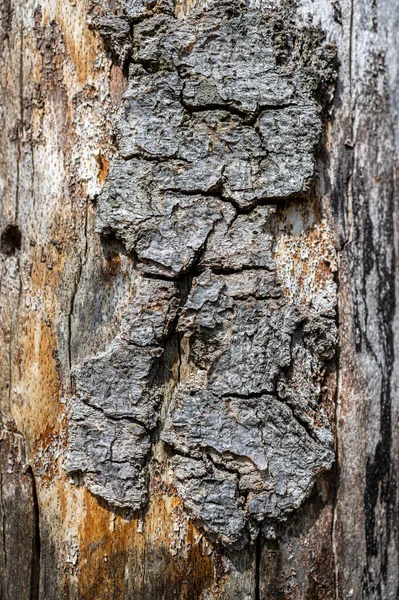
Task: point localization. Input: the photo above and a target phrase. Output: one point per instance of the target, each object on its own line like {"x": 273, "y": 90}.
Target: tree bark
{"x": 198, "y": 316}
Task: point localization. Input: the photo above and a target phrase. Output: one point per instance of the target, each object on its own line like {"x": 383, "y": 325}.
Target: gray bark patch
{"x": 213, "y": 132}
{"x": 250, "y": 404}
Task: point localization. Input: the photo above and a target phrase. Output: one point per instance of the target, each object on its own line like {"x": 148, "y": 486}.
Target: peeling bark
{"x": 205, "y": 132}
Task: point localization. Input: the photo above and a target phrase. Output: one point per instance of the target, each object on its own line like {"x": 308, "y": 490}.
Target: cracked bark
{"x": 181, "y": 242}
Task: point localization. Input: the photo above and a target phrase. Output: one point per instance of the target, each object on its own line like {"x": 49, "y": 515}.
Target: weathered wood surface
{"x": 64, "y": 291}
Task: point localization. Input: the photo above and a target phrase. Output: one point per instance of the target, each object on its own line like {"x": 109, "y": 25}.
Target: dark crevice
{"x": 125, "y": 68}
{"x": 114, "y": 417}
{"x": 245, "y": 116}
{"x": 212, "y": 192}
{"x": 336, "y": 468}
{"x": 258, "y": 556}
{"x": 11, "y": 239}
{"x": 142, "y": 154}
{"x": 157, "y": 276}
{"x": 179, "y": 356}
{"x": 3, "y": 523}
{"x": 173, "y": 451}
{"x": 112, "y": 246}
{"x": 248, "y": 118}
{"x": 232, "y": 271}
{"x": 218, "y": 192}
{"x": 36, "y": 542}
{"x": 250, "y": 396}
{"x": 266, "y": 201}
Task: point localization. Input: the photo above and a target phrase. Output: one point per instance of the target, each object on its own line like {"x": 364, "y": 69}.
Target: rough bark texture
{"x": 198, "y": 317}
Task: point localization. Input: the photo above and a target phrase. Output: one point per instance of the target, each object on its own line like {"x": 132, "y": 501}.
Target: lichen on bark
{"x": 214, "y": 131}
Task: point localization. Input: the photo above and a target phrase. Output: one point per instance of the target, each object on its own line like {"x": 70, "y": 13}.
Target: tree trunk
{"x": 199, "y": 282}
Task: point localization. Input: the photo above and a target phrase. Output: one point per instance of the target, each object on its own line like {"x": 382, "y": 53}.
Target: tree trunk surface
{"x": 199, "y": 330}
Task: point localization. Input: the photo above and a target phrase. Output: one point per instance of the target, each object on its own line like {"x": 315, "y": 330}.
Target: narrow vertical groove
{"x": 83, "y": 260}
{"x": 258, "y": 556}
{"x": 35, "y": 565}
{"x": 336, "y": 469}
{"x": 3, "y": 521}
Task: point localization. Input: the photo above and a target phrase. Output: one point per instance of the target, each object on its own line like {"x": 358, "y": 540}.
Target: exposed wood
{"x": 362, "y": 186}
{"x": 20, "y": 539}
